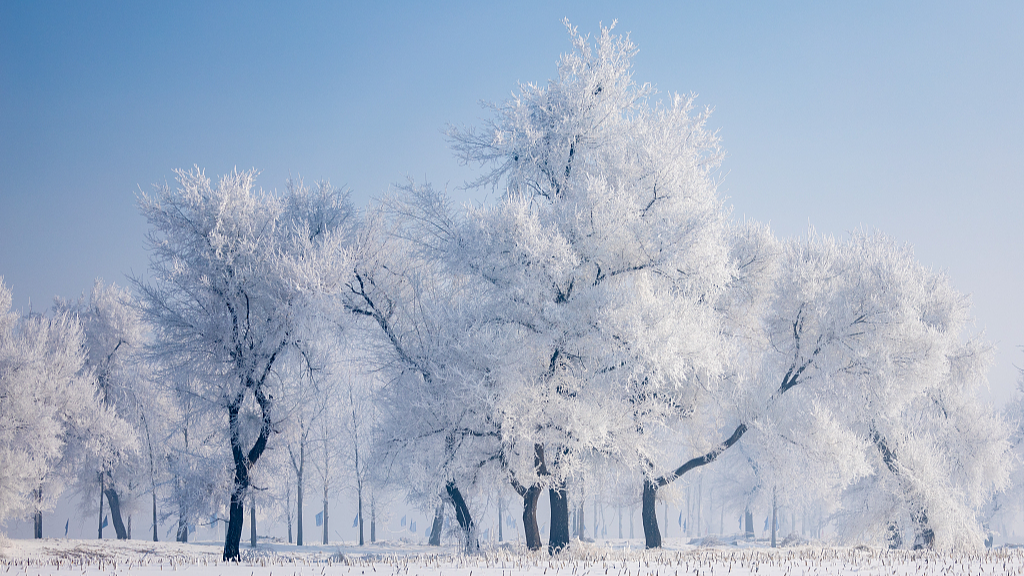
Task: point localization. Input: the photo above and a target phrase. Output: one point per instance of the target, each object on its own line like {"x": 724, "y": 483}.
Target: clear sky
{"x": 904, "y": 117}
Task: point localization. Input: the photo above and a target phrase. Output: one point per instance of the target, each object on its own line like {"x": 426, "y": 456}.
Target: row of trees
{"x": 604, "y": 319}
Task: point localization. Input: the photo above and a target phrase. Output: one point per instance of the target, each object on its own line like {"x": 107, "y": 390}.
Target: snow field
{"x": 88, "y": 558}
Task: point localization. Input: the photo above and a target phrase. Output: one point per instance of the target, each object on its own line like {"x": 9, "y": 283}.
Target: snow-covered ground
{"x": 53, "y": 556}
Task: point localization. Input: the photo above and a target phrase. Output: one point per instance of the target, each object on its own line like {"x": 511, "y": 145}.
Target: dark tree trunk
{"x": 531, "y": 497}
{"x": 649, "y": 515}
{"x": 243, "y": 461}
{"x": 462, "y": 514}
{"x": 359, "y": 515}
{"x": 99, "y": 522}
{"x": 37, "y": 517}
{"x": 500, "y": 518}
{"x": 558, "y": 539}
{"x": 182, "y": 535}
{"x": 298, "y": 495}
{"x": 114, "y": 503}
{"x": 236, "y": 513}
{"x": 650, "y": 521}
{"x": 252, "y": 524}
{"x": 435, "y": 528}
{"x": 155, "y": 523}
{"x": 748, "y": 521}
{"x": 530, "y": 527}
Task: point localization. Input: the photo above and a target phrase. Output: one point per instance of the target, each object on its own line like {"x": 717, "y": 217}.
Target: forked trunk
{"x": 243, "y": 461}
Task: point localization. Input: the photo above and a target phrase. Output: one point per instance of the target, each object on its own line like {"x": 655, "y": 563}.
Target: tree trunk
{"x": 373, "y": 518}
{"x": 463, "y": 516}
{"x": 748, "y": 520}
{"x": 243, "y": 461}
{"x": 99, "y": 522}
{"x": 437, "y": 526}
{"x": 155, "y": 522}
{"x": 359, "y": 495}
{"x": 325, "y": 515}
{"x": 298, "y": 494}
{"x": 114, "y": 503}
{"x": 182, "y": 535}
{"x": 288, "y": 510}
{"x": 37, "y": 517}
{"x": 558, "y": 539}
{"x": 649, "y": 515}
{"x": 252, "y": 523}
{"x": 236, "y": 513}
{"x": 774, "y": 511}
{"x": 500, "y": 533}
{"x": 530, "y": 527}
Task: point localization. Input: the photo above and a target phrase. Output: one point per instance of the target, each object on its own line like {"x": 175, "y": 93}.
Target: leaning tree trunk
{"x": 559, "y": 537}
{"x": 114, "y": 503}
{"x": 650, "y": 516}
{"x": 435, "y": 528}
{"x": 463, "y": 516}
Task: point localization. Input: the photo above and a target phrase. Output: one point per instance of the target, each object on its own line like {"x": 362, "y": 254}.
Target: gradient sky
{"x": 904, "y": 117}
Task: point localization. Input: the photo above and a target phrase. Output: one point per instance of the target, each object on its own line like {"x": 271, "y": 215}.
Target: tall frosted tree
{"x": 606, "y": 254}
{"x": 238, "y": 277}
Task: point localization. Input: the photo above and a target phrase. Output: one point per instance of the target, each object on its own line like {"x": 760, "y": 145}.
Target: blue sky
{"x": 908, "y": 118}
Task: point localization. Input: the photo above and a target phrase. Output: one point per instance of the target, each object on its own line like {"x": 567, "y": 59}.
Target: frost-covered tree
{"x": 863, "y": 378}
{"x": 114, "y": 345}
{"x": 432, "y": 357}
{"x": 52, "y": 421}
{"x": 605, "y": 255}
{"x": 239, "y": 278}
